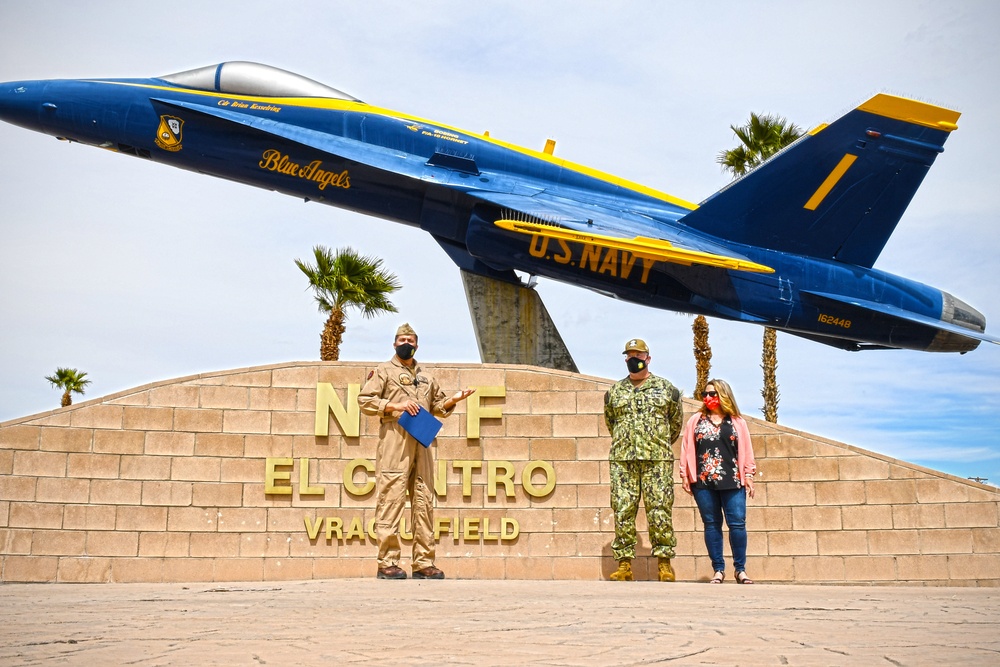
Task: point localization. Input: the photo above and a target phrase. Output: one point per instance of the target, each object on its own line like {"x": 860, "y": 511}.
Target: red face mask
{"x": 712, "y": 402}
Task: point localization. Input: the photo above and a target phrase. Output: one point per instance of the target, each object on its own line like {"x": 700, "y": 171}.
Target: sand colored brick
{"x": 145, "y": 519}
{"x": 971, "y": 515}
{"x": 20, "y": 437}
{"x": 119, "y": 442}
{"x": 167, "y": 483}
{"x": 813, "y": 469}
{"x": 148, "y": 419}
{"x": 237, "y": 398}
{"x": 862, "y": 467}
{"x": 823, "y": 517}
{"x": 894, "y": 542}
{"x": 177, "y": 395}
{"x": 791, "y": 493}
{"x": 93, "y": 466}
{"x": 201, "y": 421}
{"x": 867, "y": 517}
{"x": 217, "y": 495}
{"x": 842, "y": 542}
{"x": 873, "y": 568}
{"x": 39, "y": 464}
{"x": 98, "y": 416}
{"x": 67, "y": 439}
{"x": 35, "y": 515}
{"x": 840, "y": 493}
{"x": 112, "y": 543}
{"x": 115, "y": 492}
{"x": 89, "y": 517}
{"x": 947, "y": 541}
{"x": 85, "y": 570}
{"x": 58, "y": 543}
{"x": 28, "y": 569}
{"x": 891, "y": 492}
{"x": 174, "y": 443}
{"x": 62, "y": 490}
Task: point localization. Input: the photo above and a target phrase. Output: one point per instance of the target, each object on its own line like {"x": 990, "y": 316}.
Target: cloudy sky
{"x": 136, "y": 272}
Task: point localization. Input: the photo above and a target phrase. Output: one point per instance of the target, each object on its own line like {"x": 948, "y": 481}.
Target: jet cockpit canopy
{"x": 245, "y": 78}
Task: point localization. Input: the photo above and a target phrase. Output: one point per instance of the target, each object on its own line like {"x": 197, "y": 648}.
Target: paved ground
{"x": 495, "y": 622}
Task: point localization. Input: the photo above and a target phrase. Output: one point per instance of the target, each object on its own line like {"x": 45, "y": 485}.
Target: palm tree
{"x": 345, "y": 280}
{"x": 761, "y": 137}
{"x": 769, "y": 364}
{"x": 702, "y": 354}
{"x": 69, "y": 380}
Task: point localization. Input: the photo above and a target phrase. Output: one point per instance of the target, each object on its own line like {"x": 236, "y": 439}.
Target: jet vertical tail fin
{"x": 839, "y": 191}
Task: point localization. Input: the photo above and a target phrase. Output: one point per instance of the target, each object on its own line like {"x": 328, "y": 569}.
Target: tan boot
{"x": 624, "y": 571}
{"x": 666, "y": 572}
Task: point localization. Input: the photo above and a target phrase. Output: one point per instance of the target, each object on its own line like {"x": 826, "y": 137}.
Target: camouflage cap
{"x": 636, "y": 345}
{"x": 405, "y": 330}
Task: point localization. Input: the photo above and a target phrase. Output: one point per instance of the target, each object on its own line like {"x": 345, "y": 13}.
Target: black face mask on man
{"x": 636, "y": 365}
{"x": 405, "y": 351}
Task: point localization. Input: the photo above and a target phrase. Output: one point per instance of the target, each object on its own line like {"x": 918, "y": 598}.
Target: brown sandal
{"x": 743, "y": 579}
{"x": 718, "y": 578}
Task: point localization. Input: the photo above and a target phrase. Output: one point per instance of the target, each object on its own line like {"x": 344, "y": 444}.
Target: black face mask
{"x": 405, "y": 351}
{"x": 635, "y": 364}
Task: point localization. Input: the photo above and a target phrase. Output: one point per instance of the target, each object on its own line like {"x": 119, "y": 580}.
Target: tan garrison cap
{"x": 636, "y": 345}
{"x": 405, "y": 330}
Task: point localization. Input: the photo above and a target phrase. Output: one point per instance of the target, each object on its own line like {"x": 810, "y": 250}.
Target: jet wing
{"x": 887, "y": 310}
{"x": 639, "y": 246}
{"x": 594, "y": 224}
{"x": 571, "y": 219}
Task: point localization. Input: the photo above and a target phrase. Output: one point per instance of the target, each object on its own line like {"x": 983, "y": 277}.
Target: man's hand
{"x": 410, "y": 406}
{"x": 459, "y": 395}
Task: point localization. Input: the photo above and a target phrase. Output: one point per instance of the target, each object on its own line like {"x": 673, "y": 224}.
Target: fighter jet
{"x": 791, "y": 245}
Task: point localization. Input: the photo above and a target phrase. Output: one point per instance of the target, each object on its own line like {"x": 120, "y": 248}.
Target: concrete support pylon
{"x": 512, "y": 325}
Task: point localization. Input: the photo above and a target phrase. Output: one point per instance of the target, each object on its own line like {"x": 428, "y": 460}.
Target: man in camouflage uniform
{"x": 401, "y": 463}
{"x": 643, "y": 413}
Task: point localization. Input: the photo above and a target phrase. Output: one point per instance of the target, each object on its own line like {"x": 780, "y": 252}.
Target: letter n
{"x": 348, "y": 418}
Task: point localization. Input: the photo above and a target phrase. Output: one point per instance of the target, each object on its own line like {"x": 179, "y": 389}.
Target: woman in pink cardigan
{"x": 717, "y": 467}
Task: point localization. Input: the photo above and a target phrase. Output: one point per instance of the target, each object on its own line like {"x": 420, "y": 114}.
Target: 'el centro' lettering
{"x": 277, "y": 481}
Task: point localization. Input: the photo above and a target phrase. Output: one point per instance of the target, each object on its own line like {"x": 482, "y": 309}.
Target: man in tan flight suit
{"x": 401, "y": 463}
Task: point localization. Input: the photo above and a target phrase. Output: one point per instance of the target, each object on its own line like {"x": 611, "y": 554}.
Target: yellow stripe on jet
{"x": 824, "y": 189}
{"x": 357, "y": 106}
{"x": 639, "y": 246}
{"x": 912, "y": 111}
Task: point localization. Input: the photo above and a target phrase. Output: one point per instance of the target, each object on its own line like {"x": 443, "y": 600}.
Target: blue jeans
{"x": 713, "y": 504}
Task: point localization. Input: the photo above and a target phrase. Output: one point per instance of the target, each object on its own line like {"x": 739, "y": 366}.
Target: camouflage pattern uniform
{"x": 643, "y": 421}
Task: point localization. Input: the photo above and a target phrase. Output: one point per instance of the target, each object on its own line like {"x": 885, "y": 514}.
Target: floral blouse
{"x": 715, "y": 449}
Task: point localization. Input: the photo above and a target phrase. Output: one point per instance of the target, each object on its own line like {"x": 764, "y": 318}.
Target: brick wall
{"x": 167, "y": 483}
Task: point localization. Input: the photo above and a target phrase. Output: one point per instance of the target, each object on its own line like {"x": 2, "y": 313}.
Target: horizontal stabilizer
{"x": 639, "y": 246}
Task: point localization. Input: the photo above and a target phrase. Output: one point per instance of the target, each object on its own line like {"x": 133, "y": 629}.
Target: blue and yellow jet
{"x": 791, "y": 245}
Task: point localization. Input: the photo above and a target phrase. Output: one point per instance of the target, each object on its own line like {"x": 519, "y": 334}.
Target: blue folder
{"x": 423, "y": 427}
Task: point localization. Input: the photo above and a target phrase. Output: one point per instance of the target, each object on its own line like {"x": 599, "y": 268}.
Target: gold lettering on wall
{"x": 351, "y": 469}
{"x": 348, "y": 417}
{"x": 477, "y": 411}
{"x": 272, "y": 475}
{"x": 328, "y": 402}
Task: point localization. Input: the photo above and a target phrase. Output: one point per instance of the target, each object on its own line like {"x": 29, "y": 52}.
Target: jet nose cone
{"x": 21, "y": 103}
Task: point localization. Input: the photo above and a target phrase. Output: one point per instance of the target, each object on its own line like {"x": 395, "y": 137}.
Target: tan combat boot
{"x": 666, "y": 572}
{"x": 624, "y": 571}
